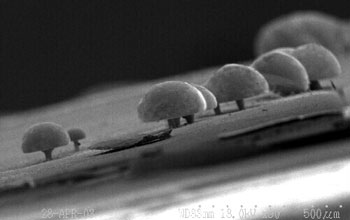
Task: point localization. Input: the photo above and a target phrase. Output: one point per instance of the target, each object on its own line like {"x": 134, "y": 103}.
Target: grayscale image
{"x": 178, "y": 110}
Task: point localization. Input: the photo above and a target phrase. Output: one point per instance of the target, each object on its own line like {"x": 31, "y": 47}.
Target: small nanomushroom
{"x": 235, "y": 82}
{"x": 284, "y": 73}
{"x": 76, "y": 134}
{"x": 319, "y": 62}
{"x": 170, "y": 101}
{"x": 44, "y": 137}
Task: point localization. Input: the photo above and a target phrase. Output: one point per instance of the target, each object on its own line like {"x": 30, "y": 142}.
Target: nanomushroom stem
{"x": 217, "y": 110}
{"x": 174, "y": 123}
{"x": 240, "y": 104}
{"x": 189, "y": 118}
{"x": 76, "y": 146}
{"x": 48, "y": 154}
{"x": 315, "y": 85}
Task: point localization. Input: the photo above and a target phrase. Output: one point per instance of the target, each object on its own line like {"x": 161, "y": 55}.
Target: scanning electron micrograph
{"x": 175, "y": 110}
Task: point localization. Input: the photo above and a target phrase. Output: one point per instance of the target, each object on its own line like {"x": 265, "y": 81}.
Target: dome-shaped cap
{"x": 208, "y": 96}
{"x": 283, "y": 72}
{"x": 76, "y": 134}
{"x": 44, "y": 136}
{"x": 235, "y": 82}
{"x": 299, "y": 28}
{"x": 319, "y": 62}
{"x": 171, "y": 99}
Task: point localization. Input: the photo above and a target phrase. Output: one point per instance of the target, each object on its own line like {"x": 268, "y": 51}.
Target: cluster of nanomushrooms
{"x": 46, "y": 136}
{"x": 290, "y": 60}
{"x": 285, "y": 71}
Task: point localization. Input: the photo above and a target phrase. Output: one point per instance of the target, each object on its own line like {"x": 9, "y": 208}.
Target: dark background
{"x": 53, "y": 49}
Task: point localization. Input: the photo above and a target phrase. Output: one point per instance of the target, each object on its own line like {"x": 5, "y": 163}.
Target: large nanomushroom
{"x": 76, "y": 134}
{"x": 170, "y": 101}
{"x": 235, "y": 82}
{"x": 44, "y": 137}
{"x": 319, "y": 62}
{"x": 303, "y": 27}
{"x": 284, "y": 73}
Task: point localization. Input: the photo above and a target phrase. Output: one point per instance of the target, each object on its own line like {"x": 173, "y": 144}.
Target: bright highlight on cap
{"x": 170, "y": 101}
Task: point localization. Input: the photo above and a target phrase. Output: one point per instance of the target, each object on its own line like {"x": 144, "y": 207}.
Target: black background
{"x": 53, "y": 49}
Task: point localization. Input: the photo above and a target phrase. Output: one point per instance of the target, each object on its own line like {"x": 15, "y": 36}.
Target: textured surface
{"x": 319, "y": 62}
{"x": 236, "y": 82}
{"x": 108, "y": 115}
{"x": 44, "y": 136}
{"x": 283, "y": 72}
{"x": 168, "y": 100}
